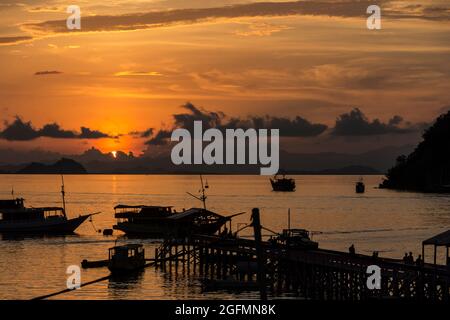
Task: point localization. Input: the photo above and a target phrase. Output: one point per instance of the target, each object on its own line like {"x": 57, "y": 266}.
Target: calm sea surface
{"x": 387, "y": 221}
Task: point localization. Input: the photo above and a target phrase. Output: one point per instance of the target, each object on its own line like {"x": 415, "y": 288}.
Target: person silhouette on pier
{"x": 405, "y": 258}
{"x": 410, "y": 258}
{"x": 352, "y": 250}
{"x": 419, "y": 260}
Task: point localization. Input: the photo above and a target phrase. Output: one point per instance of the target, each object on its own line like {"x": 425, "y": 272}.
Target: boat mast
{"x": 202, "y": 196}
{"x": 63, "y": 193}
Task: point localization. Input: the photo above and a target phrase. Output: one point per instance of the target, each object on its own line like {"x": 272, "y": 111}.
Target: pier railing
{"x": 311, "y": 274}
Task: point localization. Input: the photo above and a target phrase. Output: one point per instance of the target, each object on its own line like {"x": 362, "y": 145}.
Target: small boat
{"x": 283, "y": 184}
{"x": 360, "y": 187}
{"x": 85, "y": 264}
{"x": 126, "y": 258}
{"x": 296, "y": 239}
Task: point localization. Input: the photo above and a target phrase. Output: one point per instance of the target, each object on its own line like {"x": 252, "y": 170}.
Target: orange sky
{"x": 311, "y": 65}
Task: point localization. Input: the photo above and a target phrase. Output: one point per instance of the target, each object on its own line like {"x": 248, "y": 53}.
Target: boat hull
{"x": 48, "y": 226}
{"x": 283, "y": 187}
{"x": 163, "y": 230}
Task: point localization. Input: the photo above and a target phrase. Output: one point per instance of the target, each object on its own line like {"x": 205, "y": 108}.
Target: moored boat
{"x": 360, "y": 187}
{"x": 283, "y": 184}
{"x": 161, "y": 222}
{"x": 296, "y": 239}
{"x": 16, "y": 218}
{"x": 126, "y": 258}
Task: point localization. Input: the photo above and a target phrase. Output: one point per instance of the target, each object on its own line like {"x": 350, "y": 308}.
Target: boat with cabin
{"x": 160, "y": 221}
{"x": 16, "y": 218}
{"x": 165, "y": 222}
{"x": 126, "y": 258}
{"x": 283, "y": 184}
{"x": 296, "y": 238}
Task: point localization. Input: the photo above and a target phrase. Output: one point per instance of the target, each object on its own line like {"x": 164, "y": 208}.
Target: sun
{"x": 114, "y": 154}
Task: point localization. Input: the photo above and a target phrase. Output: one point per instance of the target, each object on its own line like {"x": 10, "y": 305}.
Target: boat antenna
{"x": 63, "y": 193}
{"x": 202, "y": 196}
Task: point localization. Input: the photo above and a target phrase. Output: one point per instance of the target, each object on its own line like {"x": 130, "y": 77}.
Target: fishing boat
{"x": 165, "y": 222}
{"x": 360, "y": 187}
{"x": 16, "y": 218}
{"x": 297, "y": 239}
{"x": 283, "y": 184}
{"x": 126, "y": 258}
{"x": 160, "y": 222}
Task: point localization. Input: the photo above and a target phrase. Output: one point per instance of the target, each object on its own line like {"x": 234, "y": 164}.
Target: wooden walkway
{"x": 311, "y": 274}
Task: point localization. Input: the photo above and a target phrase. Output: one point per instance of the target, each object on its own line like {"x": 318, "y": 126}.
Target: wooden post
{"x": 256, "y": 223}
{"x": 435, "y": 254}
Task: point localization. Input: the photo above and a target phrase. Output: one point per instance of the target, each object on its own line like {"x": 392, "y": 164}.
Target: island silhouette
{"x": 427, "y": 168}
{"x": 63, "y": 166}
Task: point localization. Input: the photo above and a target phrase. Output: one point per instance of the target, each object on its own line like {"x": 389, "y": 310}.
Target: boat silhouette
{"x": 283, "y": 184}
{"x": 18, "y": 219}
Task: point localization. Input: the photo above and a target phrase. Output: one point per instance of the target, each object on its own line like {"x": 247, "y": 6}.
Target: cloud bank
{"x": 355, "y": 123}
{"x": 20, "y": 130}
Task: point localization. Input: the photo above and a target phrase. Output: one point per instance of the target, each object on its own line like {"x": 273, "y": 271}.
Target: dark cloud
{"x": 143, "y": 134}
{"x": 297, "y": 127}
{"x": 160, "y": 139}
{"x": 355, "y": 123}
{"x": 87, "y": 133}
{"x": 153, "y": 19}
{"x": 20, "y": 130}
{"x": 54, "y": 131}
{"x": 45, "y": 73}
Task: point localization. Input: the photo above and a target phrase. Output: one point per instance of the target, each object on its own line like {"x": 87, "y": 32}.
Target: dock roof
{"x": 442, "y": 239}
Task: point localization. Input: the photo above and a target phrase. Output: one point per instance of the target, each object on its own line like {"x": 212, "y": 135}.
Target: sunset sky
{"x": 136, "y": 64}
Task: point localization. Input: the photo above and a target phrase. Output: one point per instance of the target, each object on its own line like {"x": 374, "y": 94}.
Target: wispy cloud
{"x": 261, "y": 30}
{"x": 46, "y": 73}
{"x": 163, "y": 18}
{"x": 137, "y": 73}
{"x": 14, "y": 40}
{"x": 155, "y": 19}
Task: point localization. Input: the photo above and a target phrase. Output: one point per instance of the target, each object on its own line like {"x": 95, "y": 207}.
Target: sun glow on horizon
{"x": 114, "y": 154}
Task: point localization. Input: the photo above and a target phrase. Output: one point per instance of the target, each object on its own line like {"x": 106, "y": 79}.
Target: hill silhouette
{"x": 63, "y": 166}
{"x": 427, "y": 168}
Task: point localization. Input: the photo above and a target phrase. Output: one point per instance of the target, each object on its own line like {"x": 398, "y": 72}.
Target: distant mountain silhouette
{"x": 63, "y": 166}
{"x": 358, "y": 170}
{"x": 427, "y": 168}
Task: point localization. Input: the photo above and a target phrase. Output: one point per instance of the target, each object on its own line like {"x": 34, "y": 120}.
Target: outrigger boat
{"x": 16, "y": 218}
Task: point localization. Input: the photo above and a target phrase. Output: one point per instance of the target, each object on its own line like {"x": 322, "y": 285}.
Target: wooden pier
{"x": 310, "y": 274}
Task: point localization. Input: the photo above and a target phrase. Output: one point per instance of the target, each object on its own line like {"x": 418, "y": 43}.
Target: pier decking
{"x": 311, "y": 274}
